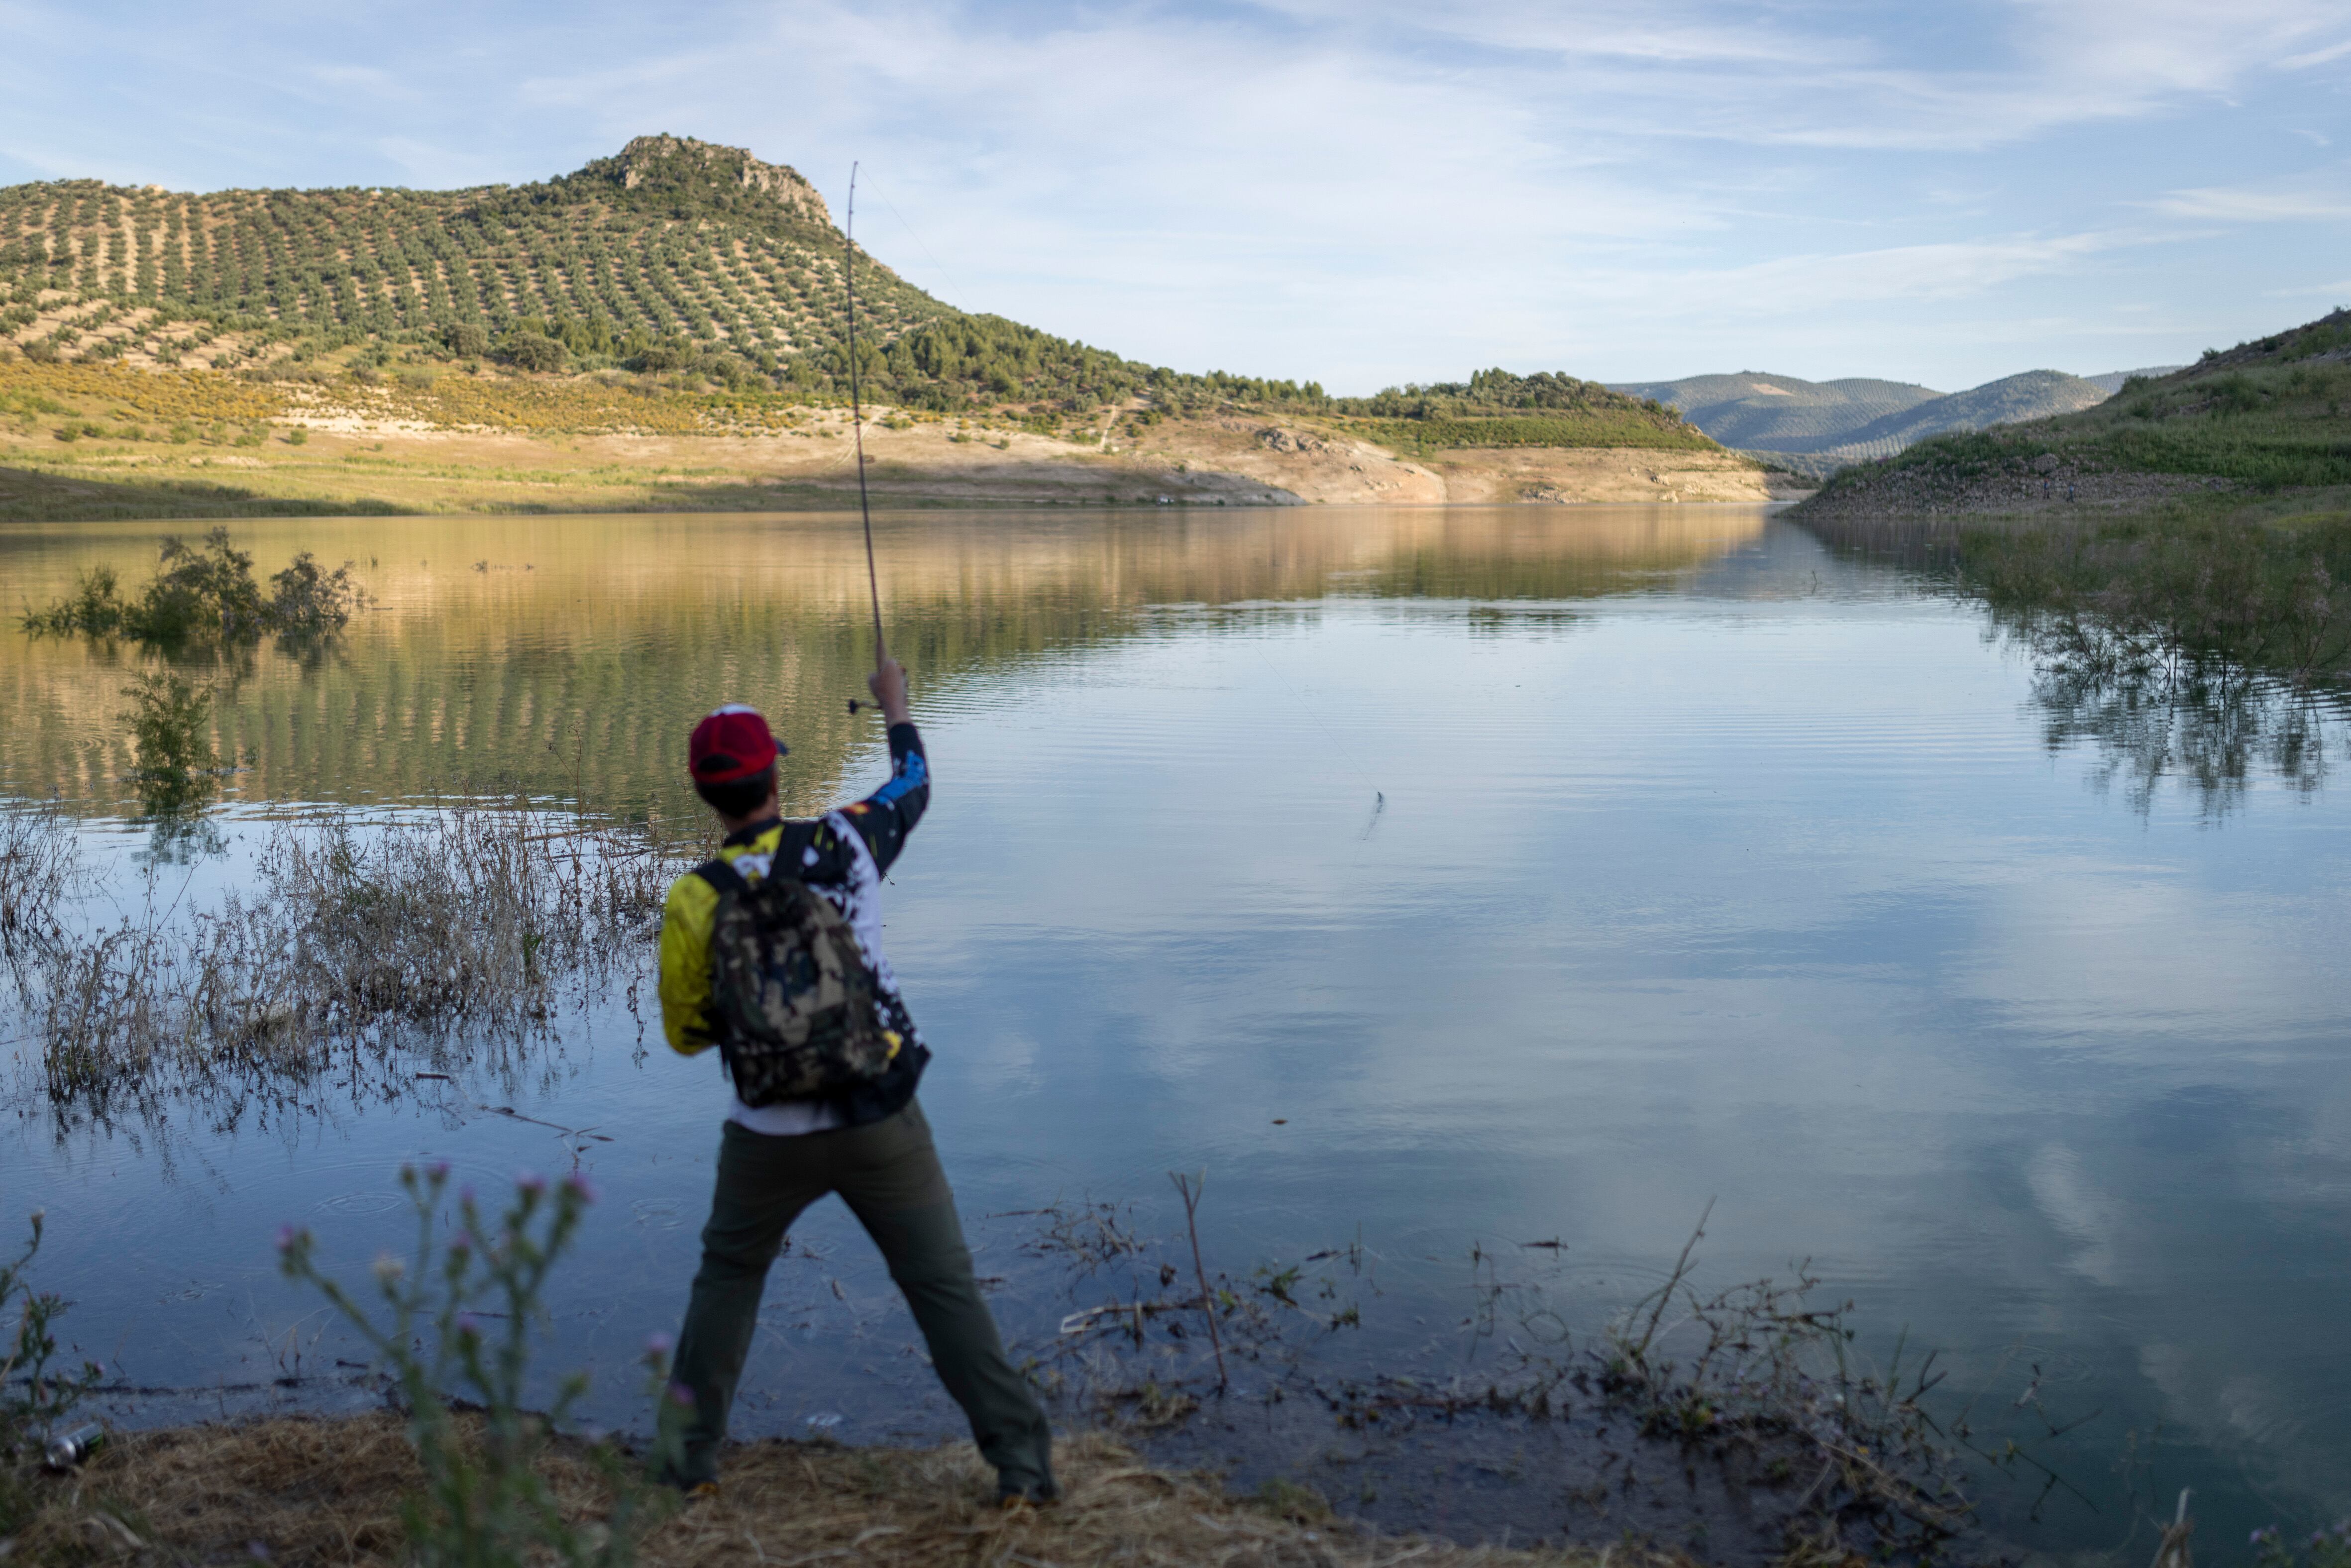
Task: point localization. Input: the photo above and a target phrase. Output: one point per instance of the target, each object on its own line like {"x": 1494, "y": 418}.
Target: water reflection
{"x": 1710, "y": 866}
{"x": 557, "y": 654}
{"x": 2216, "y": 739}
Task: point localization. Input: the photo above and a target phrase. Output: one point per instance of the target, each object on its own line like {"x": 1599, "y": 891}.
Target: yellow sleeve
{"x": 686, "y": 918}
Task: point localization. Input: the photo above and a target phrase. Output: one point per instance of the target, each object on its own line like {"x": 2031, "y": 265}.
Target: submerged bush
{"x": 205, "y": 593}
{"x": 485, "y": 1503}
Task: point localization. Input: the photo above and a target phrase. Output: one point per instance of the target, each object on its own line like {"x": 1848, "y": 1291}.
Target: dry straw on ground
{"x": 308, "y": 1491}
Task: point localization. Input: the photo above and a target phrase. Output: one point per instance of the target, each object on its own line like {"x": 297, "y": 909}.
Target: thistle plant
{"x": 2324, "y": 1549}
{"x": 33, "y": 1398}
{"x": 462, "y": 1317}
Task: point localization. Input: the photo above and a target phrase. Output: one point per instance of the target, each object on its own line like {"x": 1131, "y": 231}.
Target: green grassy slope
{"x": 2271, "y": 413}
{"x": 2034, "y": 394}
{"x": 1498, "y": 409}
{"x": 2111, "y": 381}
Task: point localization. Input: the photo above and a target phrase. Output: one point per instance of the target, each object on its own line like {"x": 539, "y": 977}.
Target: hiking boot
{"x": 1014, "y": 1493}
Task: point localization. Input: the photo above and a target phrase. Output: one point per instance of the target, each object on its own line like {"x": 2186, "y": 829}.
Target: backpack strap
{"x": 722, "y": 876}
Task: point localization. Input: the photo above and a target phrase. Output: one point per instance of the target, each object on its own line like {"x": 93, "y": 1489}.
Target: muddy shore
{"x": 290, "y": 1490}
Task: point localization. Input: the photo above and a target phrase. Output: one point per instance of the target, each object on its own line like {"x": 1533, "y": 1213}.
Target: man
{"x": 868, "y": 1142}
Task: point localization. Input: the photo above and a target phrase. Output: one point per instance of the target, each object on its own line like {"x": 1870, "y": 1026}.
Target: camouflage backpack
{"x": 791, "y": 993}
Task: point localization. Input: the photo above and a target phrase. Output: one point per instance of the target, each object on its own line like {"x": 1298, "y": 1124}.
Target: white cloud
{"x": 1363, "y": 190}
{"x": 2266, "y": 202}
{"x": 2316, "y": 56}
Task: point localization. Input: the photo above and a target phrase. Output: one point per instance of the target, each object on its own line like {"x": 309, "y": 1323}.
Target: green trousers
{"x": 888, "y": 1172}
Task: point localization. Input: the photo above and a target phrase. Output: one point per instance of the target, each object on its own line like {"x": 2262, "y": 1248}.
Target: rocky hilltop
{"x": 701, "y": 177}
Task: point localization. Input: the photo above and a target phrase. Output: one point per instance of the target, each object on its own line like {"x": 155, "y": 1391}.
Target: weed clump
{"x": 38, "y": 859}
{"x": 485, "y": 1503}
{"x": 2324, "y": 1549}
{"x": 33, "y": 1398}
{"x": 206, "y": 595}
{"x": 351, "y": 935}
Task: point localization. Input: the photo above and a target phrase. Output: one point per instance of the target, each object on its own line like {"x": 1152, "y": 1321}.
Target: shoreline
{"x": 328, "y": 1491}
{"x": 86, "y": 446}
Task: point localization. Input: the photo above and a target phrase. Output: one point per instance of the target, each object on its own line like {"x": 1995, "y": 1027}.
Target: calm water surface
{"x": 1710, "y": 866}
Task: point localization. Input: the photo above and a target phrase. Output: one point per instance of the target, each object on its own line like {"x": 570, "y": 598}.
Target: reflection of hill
{"x": 575, "y": 653}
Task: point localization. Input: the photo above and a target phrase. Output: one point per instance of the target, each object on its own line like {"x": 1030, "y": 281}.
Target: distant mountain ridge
{"x": 1781, "y": 414}
{"x": 1823, "y": 426}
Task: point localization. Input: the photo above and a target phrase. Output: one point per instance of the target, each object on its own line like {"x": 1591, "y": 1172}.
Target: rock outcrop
{"x": 682, "y": 169}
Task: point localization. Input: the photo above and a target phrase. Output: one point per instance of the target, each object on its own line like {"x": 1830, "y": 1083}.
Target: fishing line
{"x": 1298, "y": 699}
{"x": 857, "y": 422}
{"x": 953, "y": 281}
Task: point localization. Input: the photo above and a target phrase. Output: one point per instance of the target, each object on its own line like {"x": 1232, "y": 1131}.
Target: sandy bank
{"x": 346, "y": 460}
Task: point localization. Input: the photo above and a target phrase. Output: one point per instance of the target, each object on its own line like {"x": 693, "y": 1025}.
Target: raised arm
{"x": 884, "y": 818}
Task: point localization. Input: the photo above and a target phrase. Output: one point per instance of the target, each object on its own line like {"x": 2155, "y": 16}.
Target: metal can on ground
{"x": 65, "y": 1452}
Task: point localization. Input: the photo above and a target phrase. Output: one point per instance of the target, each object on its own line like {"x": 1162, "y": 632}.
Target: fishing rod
{"x": 857, "y": 424}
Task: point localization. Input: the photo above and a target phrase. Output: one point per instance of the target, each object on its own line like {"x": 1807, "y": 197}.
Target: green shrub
{"x": 487, "y": 1506}
{"x": 534, "y": 351}
{"x": 1593, "y": 428}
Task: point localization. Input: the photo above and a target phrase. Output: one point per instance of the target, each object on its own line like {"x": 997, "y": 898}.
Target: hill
{"x": 2034, "y": 394}
{"x": 697, "y": 265}
{"x": 2111, "y": 381}
{"x": 674, "y": 255}
{"x": 1780, "y": 414}
{"x": 1819, "y": 427}
{"x": 2268, "y": 416}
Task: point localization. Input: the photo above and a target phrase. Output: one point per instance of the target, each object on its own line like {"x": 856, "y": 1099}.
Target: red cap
{"x": 730, "y": 744}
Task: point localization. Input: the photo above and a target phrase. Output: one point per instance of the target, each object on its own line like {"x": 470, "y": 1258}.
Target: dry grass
{"x": 480, "y": 919}
{"x": 37, "y": 859}
{"x": 312, "y": 1491}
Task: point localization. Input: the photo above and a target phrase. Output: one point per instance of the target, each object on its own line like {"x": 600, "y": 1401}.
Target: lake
{"x": 1439, "y": 881}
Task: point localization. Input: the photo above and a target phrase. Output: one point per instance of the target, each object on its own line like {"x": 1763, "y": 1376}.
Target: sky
{"x": 1366, "y": 193}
